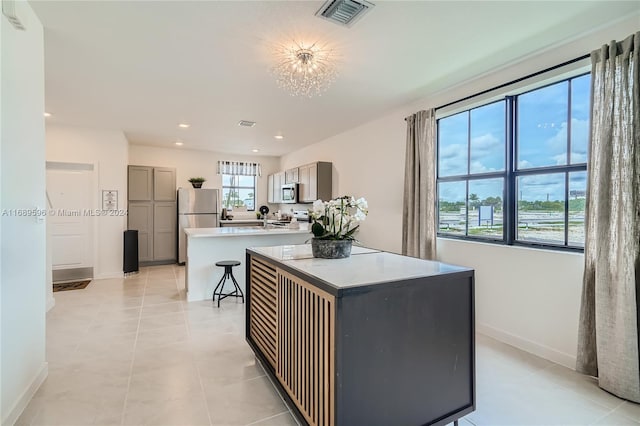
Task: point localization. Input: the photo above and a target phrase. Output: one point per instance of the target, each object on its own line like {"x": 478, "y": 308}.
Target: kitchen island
{"x": 374, "y": 339}
{"x": 206, "y": 246}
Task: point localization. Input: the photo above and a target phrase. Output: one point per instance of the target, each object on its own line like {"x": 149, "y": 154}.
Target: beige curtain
{"x": 608, "y": 329}
{"x": 418, "y": 210}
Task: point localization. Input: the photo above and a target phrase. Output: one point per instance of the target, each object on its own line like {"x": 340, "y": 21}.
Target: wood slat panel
{"x": 305, "y": 350}
{"x": 263, "y": 324}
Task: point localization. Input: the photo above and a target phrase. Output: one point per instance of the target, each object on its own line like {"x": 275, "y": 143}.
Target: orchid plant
{"x": 338, "y": 219}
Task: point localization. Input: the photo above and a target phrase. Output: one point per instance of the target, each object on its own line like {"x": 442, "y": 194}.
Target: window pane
{"x": 580, "y": 108}
{"x": 226, "y": 180}
{"x": 541, "y": 208}
{"x": 451, "y": 207}
{"x": 577, "y": 197}
{"x": 232, "y": 197}
{"x": 245, "y": 180}
{"x": 542, "y": 127}
{"x": 452, "y": 144}
{"x": 488, "y": 138}
{"x": 485, "y": 208}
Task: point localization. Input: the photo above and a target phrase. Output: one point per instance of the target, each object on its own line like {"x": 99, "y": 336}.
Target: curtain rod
{"x": 580, "y": 58}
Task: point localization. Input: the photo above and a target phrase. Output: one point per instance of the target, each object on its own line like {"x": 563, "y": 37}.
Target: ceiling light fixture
{"x": 279, "y": 137}
{"x": 246, "y": 123}
{"x": 47, "y": 114}
{"x": 184, "y": 125}
{"x": 305, "y": 70}
{"x": 255, "y": 150}
{"x": 179, "y": 143}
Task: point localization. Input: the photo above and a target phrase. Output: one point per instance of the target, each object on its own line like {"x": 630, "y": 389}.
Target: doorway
{"x": 70, "y": 220}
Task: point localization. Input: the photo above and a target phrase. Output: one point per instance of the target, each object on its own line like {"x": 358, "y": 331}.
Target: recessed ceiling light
{"x": 184, "y": 125}
{"x": 179, "y": 143}
{"x": 47, "y": 114}
{"x": 255, "y": 150}
{"x": 279, "y": 137}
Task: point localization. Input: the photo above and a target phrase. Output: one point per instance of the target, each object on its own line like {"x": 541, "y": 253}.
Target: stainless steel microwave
{"x": 289, "y": 193}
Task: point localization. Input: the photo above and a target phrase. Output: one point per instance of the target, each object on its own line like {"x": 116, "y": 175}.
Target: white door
{"x": 69, "y": 218}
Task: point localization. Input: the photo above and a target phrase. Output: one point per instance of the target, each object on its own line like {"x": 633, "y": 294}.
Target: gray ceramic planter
{"x": 331, "y": 249}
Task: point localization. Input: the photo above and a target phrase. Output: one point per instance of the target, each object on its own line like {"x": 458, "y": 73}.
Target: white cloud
{"x": 524, "y": 164}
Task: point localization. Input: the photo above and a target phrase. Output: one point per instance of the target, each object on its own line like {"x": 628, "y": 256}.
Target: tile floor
{"x": 134, "y": 352}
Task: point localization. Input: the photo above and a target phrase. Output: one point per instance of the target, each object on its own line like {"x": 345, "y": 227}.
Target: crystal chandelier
{"x": 305, "y": 70}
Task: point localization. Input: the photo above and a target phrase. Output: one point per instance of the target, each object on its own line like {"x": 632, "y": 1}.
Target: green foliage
{"x": 198, "y": 179}
{"x": 317, "y": 229}
{"x": 577, "y": 205}
{"x": 543, "y": 206}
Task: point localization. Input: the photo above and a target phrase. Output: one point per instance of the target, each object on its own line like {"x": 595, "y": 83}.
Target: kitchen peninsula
{"x": 374, "y": 339}
{"x": 206, "y": 246}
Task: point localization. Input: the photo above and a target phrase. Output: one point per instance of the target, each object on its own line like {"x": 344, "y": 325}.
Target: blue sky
{"x": 542, "y": 133}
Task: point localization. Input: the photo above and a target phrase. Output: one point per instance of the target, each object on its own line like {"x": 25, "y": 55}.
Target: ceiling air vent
{"x": 9, "y": 10}
{"x": 344, "y": 12}
{"x": 246, "y": 123}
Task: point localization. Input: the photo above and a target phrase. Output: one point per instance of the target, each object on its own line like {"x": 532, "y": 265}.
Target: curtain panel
{"x": 419, "y": 204}
{"x": 609, "y": 319}
{"x": 239, "y": 168}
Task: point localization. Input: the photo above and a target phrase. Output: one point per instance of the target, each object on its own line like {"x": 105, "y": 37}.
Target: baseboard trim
{"x": 51, "y": 302}
{"x": 109, "y": 275}
{"x": 26, "y": 396}
{"x": 526, "y": 345}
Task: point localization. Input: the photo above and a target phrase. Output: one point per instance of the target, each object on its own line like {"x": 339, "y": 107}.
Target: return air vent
{"x": 344, "y": 12}
{"x": 246, "y": 123}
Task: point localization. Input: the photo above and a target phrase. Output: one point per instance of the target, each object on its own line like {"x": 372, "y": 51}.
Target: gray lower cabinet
{"x": 152, "y": 211}
{"x": 141, "y": 219}
{"x": 164, "y": 231}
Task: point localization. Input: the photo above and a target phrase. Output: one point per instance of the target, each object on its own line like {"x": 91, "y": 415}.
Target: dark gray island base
{"x": 374, "y": 339}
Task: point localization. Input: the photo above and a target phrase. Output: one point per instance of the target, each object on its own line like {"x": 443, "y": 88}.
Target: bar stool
{"x": 228, "y": 273}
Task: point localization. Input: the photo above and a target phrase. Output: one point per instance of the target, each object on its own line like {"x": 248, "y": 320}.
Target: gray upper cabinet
{"x": 140, "y": 183}
{"x": 270, "y": 189}
{"x": 315, "y": 182}
{"x": 152, "y": 212}
{"x": 278, "y": 181}
{"x": 164, "y": 184}
{"x": 291, "y": 175}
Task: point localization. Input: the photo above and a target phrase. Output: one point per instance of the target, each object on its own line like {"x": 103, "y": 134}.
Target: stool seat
{"x": 228, "y": 263}
{"x": 228, "y": 273}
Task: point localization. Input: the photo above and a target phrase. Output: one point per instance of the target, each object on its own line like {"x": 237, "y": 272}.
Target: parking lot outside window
{"x": 514, "y": 171}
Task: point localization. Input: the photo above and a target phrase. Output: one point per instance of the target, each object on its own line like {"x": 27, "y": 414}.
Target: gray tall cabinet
{"x": 153, "y": 212}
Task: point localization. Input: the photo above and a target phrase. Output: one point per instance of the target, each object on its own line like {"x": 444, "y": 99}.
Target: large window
{"x": 239, "y": 191}
{"x": 514, "y": 171}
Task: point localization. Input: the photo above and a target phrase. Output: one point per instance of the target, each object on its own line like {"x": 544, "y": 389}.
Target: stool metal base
{"x": 228, "y": 273}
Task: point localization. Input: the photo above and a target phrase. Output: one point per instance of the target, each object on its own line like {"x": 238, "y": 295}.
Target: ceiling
{"x": 144, "y": 66}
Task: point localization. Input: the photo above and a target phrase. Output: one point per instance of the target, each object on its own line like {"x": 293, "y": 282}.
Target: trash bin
{"x": 130, "y": 261}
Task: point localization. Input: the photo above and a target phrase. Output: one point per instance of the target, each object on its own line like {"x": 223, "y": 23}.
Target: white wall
{"x": 108, "y": 151}
{"x": 368, "y": 161}
{"x": 528, "y": 298}
{"x": 23, "y": 258}
{"x": 191, "y": 163}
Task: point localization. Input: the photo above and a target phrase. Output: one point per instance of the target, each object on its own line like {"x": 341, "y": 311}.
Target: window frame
{"x": 511, "y": 173}
{"x": 238, "y": 187}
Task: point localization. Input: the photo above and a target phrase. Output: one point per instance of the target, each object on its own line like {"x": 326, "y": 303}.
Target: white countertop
{"x": 244, "y": 231}
{"x": 364, "y": 267}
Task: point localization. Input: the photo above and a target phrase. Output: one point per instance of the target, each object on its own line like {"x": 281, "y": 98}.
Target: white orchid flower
{"x": 318, "y": 208}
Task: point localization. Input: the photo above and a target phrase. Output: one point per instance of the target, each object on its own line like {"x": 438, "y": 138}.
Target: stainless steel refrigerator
{"x": 197, "y": 208}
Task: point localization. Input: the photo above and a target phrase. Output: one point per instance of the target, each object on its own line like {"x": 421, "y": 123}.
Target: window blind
{"x": 239, "y": 168}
